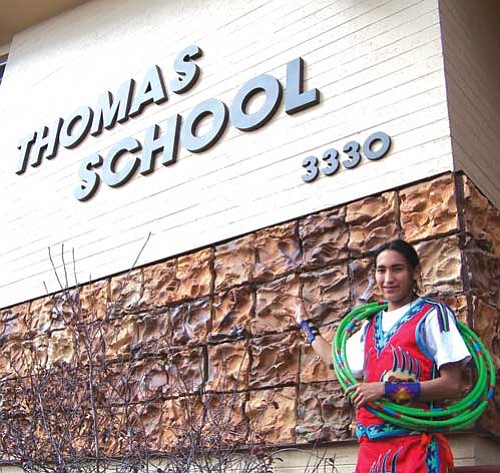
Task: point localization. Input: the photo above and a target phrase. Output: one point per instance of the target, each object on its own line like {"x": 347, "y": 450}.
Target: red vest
{"x": 397, "y": 355}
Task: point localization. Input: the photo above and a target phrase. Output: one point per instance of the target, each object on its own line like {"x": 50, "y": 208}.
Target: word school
{"x": 129, "y": 101}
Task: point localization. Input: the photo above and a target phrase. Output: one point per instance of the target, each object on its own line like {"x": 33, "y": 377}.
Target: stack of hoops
{"x": 452, "y": 417}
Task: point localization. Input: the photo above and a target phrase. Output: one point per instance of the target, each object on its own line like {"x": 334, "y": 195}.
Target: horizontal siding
{"x": 471, "y": 38}
{"x": 468, "y": 450}
{"x": 378, "y": 66}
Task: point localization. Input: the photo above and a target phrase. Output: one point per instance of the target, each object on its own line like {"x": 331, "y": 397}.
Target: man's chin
{"x": 392, "y": 296}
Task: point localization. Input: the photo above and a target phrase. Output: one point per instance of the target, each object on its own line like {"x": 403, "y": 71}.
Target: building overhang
{"x": 17, "y": 15}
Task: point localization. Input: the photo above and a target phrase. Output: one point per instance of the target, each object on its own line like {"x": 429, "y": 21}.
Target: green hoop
{"x": 452, "y": 417}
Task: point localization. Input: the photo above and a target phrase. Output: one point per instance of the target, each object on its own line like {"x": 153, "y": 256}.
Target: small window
{"x": 3, "y": 63}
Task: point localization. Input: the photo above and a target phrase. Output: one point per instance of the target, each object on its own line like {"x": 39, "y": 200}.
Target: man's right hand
{"x": 300, "y": 310}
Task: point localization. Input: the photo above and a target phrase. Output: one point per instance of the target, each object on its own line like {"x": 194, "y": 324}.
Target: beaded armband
{"x": 309, "y": 329}
{"x": 402, "y": 392}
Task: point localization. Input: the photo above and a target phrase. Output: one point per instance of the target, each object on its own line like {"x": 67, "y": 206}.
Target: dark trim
{"x": 3, "y": 64}
{"x": 476, "y": 469}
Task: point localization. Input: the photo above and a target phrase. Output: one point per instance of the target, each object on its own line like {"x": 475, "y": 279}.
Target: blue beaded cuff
{"x": 310, "y": 330}
{"x": 402, "y": 392}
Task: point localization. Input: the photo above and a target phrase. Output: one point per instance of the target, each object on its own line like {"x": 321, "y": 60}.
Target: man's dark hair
{"x": 403, "y": 248}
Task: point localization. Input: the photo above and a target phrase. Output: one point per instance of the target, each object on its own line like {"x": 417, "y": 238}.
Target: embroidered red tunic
{"x": 399, "y": 356}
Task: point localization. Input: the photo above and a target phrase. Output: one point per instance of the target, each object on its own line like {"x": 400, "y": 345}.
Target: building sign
{"x": 160, "y": 142}
{"x": 212, "y": 144}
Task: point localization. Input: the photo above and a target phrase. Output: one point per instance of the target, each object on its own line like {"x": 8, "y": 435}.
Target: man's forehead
{"x": 384, "y": 265}
{"x": 391, "y": 258}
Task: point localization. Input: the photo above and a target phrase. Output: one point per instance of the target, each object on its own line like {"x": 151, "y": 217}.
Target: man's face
{"x": 395, "y": 279}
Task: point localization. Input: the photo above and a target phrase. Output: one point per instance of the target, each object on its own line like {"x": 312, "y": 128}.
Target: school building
{"x": 235, "y": 155}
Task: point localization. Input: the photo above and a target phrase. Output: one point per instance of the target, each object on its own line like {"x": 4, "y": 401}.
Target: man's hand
{"x": 300, "y": 310}
{"x": 320, "y": 346}
{"x": 365, "y": 392}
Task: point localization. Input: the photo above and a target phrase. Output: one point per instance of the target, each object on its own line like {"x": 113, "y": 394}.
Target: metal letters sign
{"x": 131, "y": 99}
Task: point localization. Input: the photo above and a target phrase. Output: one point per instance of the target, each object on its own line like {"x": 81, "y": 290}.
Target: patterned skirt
{"x": 421, "y": 453}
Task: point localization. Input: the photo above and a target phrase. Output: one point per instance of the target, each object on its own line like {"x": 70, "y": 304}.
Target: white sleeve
{"x": 355, "y": 352}
{"x": 444, "y": 347}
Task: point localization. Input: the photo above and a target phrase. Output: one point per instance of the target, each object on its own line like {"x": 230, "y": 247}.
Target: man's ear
{"x": 417, "y": 273}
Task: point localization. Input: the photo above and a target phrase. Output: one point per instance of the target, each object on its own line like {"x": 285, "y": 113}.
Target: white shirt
{"x": 443, "y": 347}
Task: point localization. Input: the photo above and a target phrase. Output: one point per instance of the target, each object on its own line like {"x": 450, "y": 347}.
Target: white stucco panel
{"x": 378, "y": 67}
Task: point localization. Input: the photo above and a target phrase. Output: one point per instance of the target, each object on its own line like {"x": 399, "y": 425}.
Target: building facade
{"x": 237, "y": 155}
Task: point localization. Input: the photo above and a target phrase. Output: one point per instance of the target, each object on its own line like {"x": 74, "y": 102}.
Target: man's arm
{"x": 323, "y": 349}
{"x": 320, "y": 346}
{"x": 447, "y": 386}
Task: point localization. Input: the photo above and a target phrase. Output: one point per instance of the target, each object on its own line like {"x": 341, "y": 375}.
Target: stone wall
{"x": 225, "y": 312}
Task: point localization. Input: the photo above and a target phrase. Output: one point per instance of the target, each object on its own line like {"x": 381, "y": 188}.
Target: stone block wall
{"x": 224, "y": 314}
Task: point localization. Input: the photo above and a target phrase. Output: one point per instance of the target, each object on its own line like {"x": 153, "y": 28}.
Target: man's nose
{"x": 389, "y": 276}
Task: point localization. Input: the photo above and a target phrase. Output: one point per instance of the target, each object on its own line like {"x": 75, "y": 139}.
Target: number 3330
{"x": 352, "y": 150}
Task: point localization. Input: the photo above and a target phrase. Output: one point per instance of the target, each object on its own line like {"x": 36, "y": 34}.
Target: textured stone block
{"x": 182, "y": 422}
{"x": 225, "y": 423}
{"x": 119, "y": 382}
{"x": 232, "y": 314}
{"x": 372, "y": 222}
{"x": 324, "y": 238}
{"x": 275, "y": 306}
{"x": 312, "y": 368}
{"x": 160, "y": 284}
{"x": 48, "y": 313}
{"x": 71, "y": 307}
{"x": 154, "y": 333}
{"x": 66, "y": 308}
{"x": 126, "y": 291}
{"x": 221, "y": 421}
{"x": 152, "y": 378}
{"x": 12, "y": 393}
{"x": 275, "y": 360}
{"x": 13, "y": 323}
{"x": 428, "y": 209}
{"x": 482, "y": 219}
{"x": 234, "y": 262}
{"x": 165, "y": 431}
{"x": 324, "y": 413}
{"x": 153, "y": 418}
{"x": 458, "y": 304}
{"x": 484, "y": 274}
{"x": 121, "y": 335}
{"x": 143, "y": 380}
{"x": 121, "y": 428}
{"x": 272, "y": 415}
{"x": 194, "y": 273}
{"x": 363, "y": 276}
{"x": 228, "y": 365}
{"x": 187, "y": 368}
{"x": 490, "y": 420}
{"x": 61, "y": 347}
{"x": 15, "y": 358}
{"x": 487, "y": 327}
{"x": 278, "y": 251}
{"x": 39, "y": 355}
{"x": 326, "y": 294}
{"x": 441, "y": 264}
{"x": 190, "y": 323}
{"x": 93, "y": 301}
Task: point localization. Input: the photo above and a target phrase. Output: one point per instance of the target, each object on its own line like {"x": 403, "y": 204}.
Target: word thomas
{"x": 129, "y": 101}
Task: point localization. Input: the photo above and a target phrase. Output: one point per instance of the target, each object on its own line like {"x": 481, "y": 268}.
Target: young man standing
{"x": 410, "y": 353}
